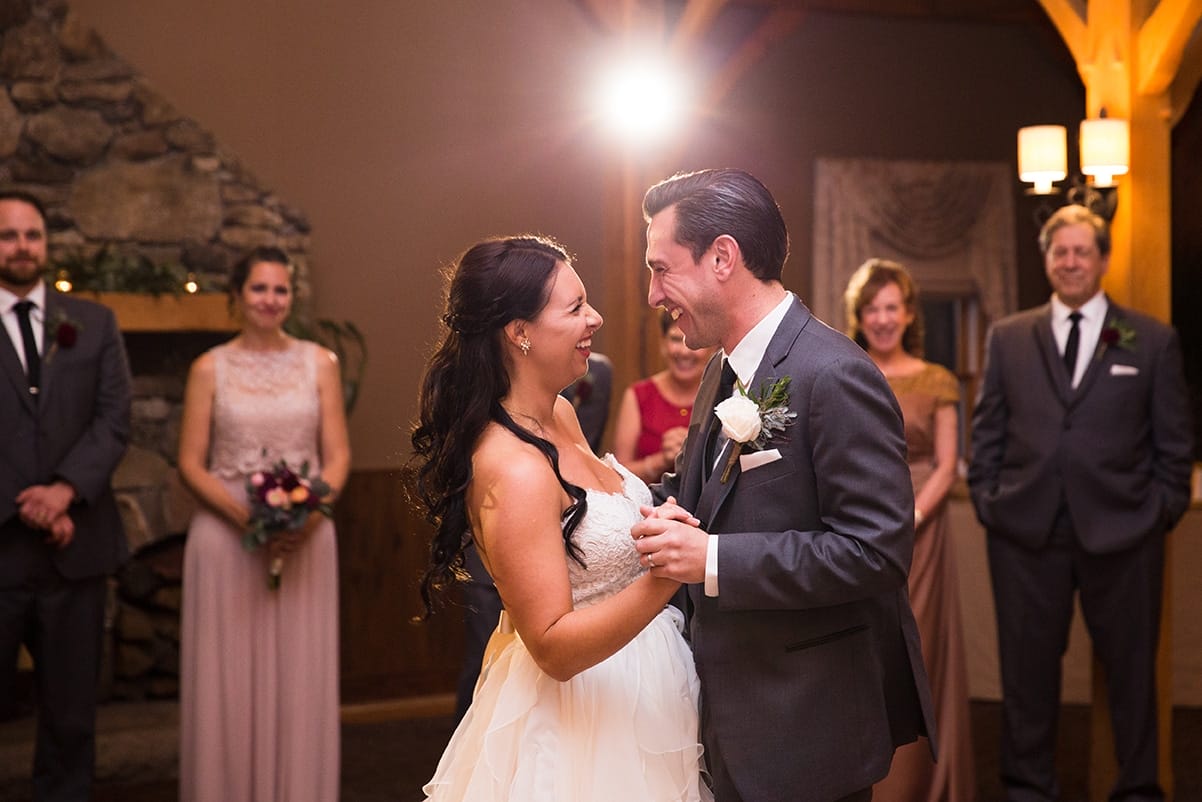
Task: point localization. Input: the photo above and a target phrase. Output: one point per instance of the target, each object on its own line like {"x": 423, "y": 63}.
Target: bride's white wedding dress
{"x": 624, "y": 729}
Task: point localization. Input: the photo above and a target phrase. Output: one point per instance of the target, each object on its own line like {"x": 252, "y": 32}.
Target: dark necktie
{"x": 1072, "y": 344}
{"x": 726, "y": 385}
{"x": 33, "y": 362}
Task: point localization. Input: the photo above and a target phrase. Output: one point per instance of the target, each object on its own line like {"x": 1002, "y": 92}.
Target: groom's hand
{"x": 671, "y": 543}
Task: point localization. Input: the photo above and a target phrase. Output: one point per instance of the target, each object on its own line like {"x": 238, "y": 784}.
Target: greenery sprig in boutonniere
{"x": 63, "y": 332}
{"x": 1117, "y": 333}
{"x": 750, "y": 420}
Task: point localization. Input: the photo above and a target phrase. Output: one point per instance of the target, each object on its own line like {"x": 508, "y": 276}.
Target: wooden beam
{"x": 1161, "y": 43}
{"x": 614, "y": 15}
{"x": 1069, "y": 20}
{"x": 773, "y": 28}
{"x": 697, "y": 18}
{"x": 1189, "y": 75}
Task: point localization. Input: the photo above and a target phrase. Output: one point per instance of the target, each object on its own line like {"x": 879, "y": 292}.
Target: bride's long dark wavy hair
{"x": 493, "y": 283}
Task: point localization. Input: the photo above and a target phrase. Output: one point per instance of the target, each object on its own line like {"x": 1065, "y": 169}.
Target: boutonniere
{"x": 63, "y": 332}
{"x": 1117, "y": 333}
{"x": 750, "y": 420}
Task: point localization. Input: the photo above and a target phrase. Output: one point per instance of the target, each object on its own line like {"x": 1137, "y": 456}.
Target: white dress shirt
{"x": 1093, "y": 317}
{"x": 744, "y": 359}
{"x": 8, "y": 314}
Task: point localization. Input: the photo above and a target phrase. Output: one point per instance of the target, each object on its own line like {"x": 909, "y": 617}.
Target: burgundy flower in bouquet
{"x": 281, "y": 500}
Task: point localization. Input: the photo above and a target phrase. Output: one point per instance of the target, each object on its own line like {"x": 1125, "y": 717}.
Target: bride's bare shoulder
{"x": 502, "y": 460}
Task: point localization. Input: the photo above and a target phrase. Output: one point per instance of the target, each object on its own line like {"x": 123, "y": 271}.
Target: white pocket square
{"x": 755, "y": 459}
{"x": 1124, "y": 370}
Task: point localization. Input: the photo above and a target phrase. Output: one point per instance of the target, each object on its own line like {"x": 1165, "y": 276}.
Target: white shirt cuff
{"x": 711, "y": 566}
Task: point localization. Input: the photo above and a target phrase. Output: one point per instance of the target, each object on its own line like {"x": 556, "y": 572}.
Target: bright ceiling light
{"x": 642, "y": 100}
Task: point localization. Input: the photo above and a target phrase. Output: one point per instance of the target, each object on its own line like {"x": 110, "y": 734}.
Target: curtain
{"x": 950, "y": 223}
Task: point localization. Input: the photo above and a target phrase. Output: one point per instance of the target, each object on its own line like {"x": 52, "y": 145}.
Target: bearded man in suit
{"x": 796, "y": 559}
{"x": 1081, "y": 458}
{"x": 64, "y": 400}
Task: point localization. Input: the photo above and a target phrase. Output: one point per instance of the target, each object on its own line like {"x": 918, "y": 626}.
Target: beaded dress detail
{"x": 624, "y": 729}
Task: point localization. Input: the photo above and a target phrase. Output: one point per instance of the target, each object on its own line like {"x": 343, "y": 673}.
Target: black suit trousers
{"x": 1120, "y": 597}
{"x": 61, "y": 623}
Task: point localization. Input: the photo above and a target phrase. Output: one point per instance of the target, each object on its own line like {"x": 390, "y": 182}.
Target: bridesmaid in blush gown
{"x": 588, "y": 691}
{"x": 259, "y": 667}
{"x": 883, "y": 315}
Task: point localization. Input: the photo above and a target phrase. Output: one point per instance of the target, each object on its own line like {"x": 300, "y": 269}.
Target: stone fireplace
{"x": 135, "y": 191}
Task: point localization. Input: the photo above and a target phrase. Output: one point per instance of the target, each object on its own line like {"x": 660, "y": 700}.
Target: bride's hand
{"x": 670, "y": 511}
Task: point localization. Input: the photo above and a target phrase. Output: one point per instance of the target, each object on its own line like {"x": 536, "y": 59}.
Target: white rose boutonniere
{"x": 750, "y": 420}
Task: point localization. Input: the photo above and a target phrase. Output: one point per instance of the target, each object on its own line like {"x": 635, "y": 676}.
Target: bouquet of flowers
{"x": 280, "y": 501}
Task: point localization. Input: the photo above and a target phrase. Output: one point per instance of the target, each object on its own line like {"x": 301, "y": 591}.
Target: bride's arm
{"x": 515, "y": 503}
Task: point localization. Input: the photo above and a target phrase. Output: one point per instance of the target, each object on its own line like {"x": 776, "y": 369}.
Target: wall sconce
{"x": 62, "y": 280}
{"x": 1105, "y": 145}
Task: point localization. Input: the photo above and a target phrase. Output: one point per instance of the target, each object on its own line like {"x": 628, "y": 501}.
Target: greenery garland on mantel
{"x": 110, "y": 272}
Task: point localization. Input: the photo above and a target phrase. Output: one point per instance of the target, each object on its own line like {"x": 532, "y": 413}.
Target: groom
{"x": 805, "y": 644}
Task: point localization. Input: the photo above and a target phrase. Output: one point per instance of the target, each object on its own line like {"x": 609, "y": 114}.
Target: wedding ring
{"x": 650, "y": 562}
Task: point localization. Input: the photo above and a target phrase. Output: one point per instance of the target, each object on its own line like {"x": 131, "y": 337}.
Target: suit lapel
{"x": 715, "y": 492}
{"x": 693, "y": 476}
{"x": 54, "y": 311}
{"x": 1113, "y": 312}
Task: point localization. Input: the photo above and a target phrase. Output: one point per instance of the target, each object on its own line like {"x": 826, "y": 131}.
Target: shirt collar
{"x": 1094, "y": 309}
{"x": 8, "y": 298}
{"x": 747, "y": 355}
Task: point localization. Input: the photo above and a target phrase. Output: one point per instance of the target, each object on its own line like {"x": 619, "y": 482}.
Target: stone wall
{"x": 115, "y": 163}
{"x": 120, "y": 170}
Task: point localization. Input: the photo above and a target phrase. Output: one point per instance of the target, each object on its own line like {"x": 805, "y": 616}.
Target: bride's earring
{"x": 525, "y": 346}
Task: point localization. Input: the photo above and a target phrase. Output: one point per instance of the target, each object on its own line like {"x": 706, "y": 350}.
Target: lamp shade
{"x": 1105, "y": 145}
{"x": 1042, "y": 156}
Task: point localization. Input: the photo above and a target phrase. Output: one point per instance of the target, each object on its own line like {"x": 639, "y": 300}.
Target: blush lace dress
{"x": 624, "y": 729}
{"x": 259, "y": 668}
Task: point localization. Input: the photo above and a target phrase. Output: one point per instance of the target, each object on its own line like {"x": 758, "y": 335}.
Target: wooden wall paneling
{"x": 382, "y": 547}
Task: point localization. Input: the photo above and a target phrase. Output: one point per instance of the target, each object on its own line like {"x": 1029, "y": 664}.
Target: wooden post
{"x": 1129, "y": 54}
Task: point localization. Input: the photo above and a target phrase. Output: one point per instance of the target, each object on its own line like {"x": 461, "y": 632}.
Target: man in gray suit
{"x": 64, "y": 403}
{"x": 1081, "y": 458}
{"x": 809, "y": 659}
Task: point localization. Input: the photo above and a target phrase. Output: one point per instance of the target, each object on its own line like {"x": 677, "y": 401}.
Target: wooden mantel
{"x": 139, "y": 312}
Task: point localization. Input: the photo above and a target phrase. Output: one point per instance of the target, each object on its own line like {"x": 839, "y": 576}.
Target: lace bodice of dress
{"x": 603, "y": 537}
{"x": 265, "y": 408}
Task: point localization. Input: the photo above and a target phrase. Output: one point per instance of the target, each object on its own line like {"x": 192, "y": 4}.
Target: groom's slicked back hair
{"x": 710, "y": 203}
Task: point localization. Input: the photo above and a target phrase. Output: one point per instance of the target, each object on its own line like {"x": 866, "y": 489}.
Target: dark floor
{"x": 390, "y": 760}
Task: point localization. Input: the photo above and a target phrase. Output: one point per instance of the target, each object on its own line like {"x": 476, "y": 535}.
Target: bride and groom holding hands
{"x": 786, "y": 547}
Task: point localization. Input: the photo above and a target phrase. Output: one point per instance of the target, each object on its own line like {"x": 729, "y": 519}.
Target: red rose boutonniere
{"x": 63, "y": 332}
{"x": 1117, "y": 334}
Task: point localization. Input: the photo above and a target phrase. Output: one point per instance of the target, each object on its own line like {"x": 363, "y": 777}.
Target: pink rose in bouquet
{"x": 281, "y": 500}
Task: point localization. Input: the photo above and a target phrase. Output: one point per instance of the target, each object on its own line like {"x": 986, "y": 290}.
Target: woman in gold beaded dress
{"x": 884, "y": 318}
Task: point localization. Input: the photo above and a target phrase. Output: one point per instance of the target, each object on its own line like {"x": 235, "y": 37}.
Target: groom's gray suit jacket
{"x": 809, "y": 657}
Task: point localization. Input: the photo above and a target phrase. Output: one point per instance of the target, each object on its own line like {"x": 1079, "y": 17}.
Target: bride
{"x": 588, "y": 690}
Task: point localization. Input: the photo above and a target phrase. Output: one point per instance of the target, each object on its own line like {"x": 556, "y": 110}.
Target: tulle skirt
{"x": 624, "y": 729}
